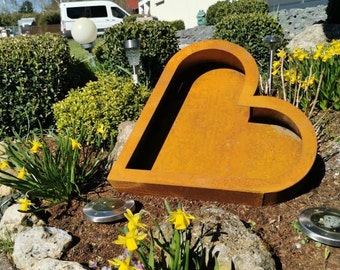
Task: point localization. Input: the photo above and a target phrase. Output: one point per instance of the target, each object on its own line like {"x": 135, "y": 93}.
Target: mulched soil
{"x": 273, "y": 224}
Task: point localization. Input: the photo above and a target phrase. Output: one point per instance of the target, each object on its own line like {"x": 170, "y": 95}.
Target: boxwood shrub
{"x": 36, "y": 72}
{"x": 221, "y": 9}
{"x": 248, "y": 31}
{"x": 104, "y": 103}
{"x": 158, "y": 43}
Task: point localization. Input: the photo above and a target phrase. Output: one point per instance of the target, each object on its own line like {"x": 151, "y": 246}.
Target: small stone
{"x": 298, "y": 245}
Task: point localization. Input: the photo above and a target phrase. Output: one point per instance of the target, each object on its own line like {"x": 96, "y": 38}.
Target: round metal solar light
{"x": 107, "y": 209}
{"x": 321, "y": 224}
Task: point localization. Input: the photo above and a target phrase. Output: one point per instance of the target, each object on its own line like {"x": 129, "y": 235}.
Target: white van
{"x": 103, "y": 13}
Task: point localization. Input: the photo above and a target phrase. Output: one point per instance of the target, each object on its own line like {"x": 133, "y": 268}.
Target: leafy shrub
{"x": 221, "y": 9}
{"x": 101, "y": 104}
{"x": 310, "y": 78}
{"x": 36, "y": 72}
{"x": 158, "y": 43}
{"x": 333, "y": 11}
{"x": 131, "y": 18}
{"x": 9, "y": 19}
{"x": 178, "y": 25}
{"x": 248, "y": 31}
{"x": 48, "y": 17}
{"x": 49, "y": 168}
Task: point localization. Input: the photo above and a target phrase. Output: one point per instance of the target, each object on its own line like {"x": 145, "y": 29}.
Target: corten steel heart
{"x": 203, "y": 134}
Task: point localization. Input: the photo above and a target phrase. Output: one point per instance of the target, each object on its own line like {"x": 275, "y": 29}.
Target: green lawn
{"x": 77, "y": 50}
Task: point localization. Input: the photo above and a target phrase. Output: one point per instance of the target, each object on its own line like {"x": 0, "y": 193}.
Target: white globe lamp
{"x": 84, "y": 31}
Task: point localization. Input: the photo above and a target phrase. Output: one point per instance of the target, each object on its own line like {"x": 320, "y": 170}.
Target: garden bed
{"x": 273, "y": 224}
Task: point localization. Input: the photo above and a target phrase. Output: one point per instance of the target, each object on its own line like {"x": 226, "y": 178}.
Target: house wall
{"x": 186, "y": 10}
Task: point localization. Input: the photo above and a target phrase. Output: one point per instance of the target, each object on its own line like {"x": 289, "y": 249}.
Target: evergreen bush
{"x": 101, "y": 104}
{"x": 158, "y": 43}
{"x": 48, "y": 17}
{"x": 36, "y": 72}
{"x": 178, "y": 25}
{"x": 248, "y": 31}
{"x": 221, "y": 9}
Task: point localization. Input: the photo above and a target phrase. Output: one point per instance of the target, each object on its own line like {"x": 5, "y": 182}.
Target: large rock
{"x": 33, "y": 246}
{"x": 223, "y": 233}
{"x": 124, "y": 131}
{"x": 237, "y": 245}
{"x": 14, "y": 222}
{"x": 314, "y": 35}
{"x": 54, "y": 264}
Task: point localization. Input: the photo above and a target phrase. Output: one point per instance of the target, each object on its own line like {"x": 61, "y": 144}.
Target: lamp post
{"x": 84, "y": 31}
{"x": 271, "y": 43}
{"x": 132, "y": 51}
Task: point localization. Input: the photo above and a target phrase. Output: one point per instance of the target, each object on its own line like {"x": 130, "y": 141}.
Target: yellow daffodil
{"x": 275, "y": 72}
{"x": 326, "y": 56}
{"x": 317, "y": 55}
{"x": 21, "y": 173}
{"x": 134, "y": 220}
{"x": 276, "y": 64}
{"x": 75, "y": 144}
{"x": 180, "y": 219}
{"x": 35, "y": 146}
{"x": 25, "y": 204}
{"x": 101, "y": 129}
{"x": 130, "y": 240}
{"x": 281, "y": 54}
{"x": 122, "y": 265}
{"x": 300, "y": 54}
{"x": 4, "y": 164}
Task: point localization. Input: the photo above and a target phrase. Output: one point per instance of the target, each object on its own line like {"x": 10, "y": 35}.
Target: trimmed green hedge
{"x": 104, "y": 103}
{"x": 221, "y": 9}
{"x": 36, "y": 72}
{"x": 158, "y": 43}
{"x": 248, "y": 31}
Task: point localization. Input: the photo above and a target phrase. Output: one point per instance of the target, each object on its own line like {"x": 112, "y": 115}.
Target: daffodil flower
{"x": 4, "y": 164}
{"x": 25, "y": 204}
{"x": 122, "y": 265}
{"x": 75, "y": 144}
{"x": 21, "y": 173}
{"x": 130, "y": 240}
{"x": 134, "y": 220}
{"x": 35, "y": 146}
{"x": 281, "y": 54}
{"x": 101, "y": 129}
{"x": 180, "y": 219}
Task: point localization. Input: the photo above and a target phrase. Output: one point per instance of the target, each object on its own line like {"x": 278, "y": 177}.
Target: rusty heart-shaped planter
{"x": 204, "y": 134}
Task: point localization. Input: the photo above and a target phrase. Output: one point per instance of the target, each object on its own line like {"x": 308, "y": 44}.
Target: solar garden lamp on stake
{"x": 271, "y": 43}
{"x": 132, "y": 51}
{"x": 84, "y": 31}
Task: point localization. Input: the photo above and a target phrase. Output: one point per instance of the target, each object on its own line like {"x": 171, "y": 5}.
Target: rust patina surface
{"x": 204, "y": 134}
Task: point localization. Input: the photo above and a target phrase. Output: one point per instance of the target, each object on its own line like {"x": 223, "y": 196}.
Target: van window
{"x": 88, "y": 12}
{"x": 118, "y": 13}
